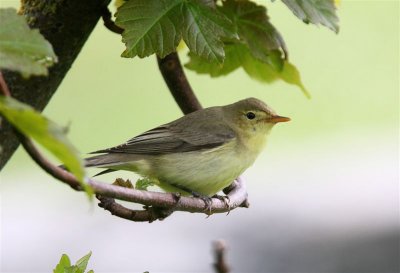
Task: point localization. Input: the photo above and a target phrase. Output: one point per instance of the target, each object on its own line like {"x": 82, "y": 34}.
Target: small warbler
{"x": 200, "y": 153}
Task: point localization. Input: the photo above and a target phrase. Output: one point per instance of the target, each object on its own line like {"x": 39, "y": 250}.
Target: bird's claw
{"x": 207, "y": 202}
{"x": 226, "y": 200}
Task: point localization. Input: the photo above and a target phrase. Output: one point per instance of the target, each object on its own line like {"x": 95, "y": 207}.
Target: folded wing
{"x": 176, "y": 138}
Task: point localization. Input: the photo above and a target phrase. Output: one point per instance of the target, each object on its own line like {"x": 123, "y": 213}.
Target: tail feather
{"x": 104, "y": 160}
{"x": 104, "y": 172}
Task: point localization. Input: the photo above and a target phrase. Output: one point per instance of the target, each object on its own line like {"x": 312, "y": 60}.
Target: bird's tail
{"x": 108, "y": 161}
{"x": 103, "y": 161}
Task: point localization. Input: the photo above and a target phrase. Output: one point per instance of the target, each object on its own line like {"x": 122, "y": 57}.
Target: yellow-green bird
{"x": 200, "y": 153}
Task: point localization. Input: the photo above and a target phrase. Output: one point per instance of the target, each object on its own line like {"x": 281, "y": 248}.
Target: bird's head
{"x": 252, "y": 116}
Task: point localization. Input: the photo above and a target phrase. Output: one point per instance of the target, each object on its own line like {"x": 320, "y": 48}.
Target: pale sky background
{"x": 324, "y": 194}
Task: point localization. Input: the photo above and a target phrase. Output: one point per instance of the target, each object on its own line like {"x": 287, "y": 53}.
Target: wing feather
{"x": 174, "y": 138}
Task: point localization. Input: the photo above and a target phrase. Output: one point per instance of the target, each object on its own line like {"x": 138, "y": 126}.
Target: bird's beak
{"x": 276, "y": 119}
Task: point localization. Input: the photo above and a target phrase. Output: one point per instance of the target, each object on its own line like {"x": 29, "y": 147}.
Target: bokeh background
{"x": 324, "y": 195}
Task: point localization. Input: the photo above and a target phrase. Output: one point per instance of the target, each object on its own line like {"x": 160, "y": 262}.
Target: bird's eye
{"x": 250, "y": 115}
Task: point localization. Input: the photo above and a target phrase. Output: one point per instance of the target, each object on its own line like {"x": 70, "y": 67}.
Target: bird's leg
{"x": 225, "y": 199}
{"x": 207, "y": 199}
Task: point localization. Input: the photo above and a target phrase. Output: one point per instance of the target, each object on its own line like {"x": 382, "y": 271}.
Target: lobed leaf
{"x": 45, "y": 132}
{"x": 232, "y": 61}
{"x": 150, "y": 26}
{"x": 254, "y": 28}
{"x": 154, "y": 26}
{"x": 204, "y": 30}
{"x": 23, "y": 49}
{"x": 238, "y": 55}
{"x": 315, "y": 11}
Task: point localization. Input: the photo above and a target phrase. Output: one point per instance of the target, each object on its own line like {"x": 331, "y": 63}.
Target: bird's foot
{"x": 207, "y": 201}
{"x": 225, "y": 199}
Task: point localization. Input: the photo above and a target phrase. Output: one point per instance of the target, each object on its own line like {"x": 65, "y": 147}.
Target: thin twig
{"x": 148, "y": 214}
{"x": 109, "y": 23}
{"x": 220, "y": 264}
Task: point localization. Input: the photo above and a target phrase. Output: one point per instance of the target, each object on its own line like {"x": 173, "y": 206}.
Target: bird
{"x": 200, "y": 153}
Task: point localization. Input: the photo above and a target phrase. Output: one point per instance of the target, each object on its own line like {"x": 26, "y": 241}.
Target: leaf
{"x": 150, "y": 26}
{"x": 315, "y": 11}
{"x": 63, "y": 263}
{"x": 82, "y": 262}
{"x": 265, "y": 72}
{"x": 204, "y": 30}
{"x": 254, "y": 29}
{"x": 45, "y": 132}
{"x": 239, "y": 55}
{"x": 144, "y": 183}
{"x": 73, "y": 269}
{"x": 154, "y": 26}
{"x": 23, "y": 49}
{"x": 231, "y": 63}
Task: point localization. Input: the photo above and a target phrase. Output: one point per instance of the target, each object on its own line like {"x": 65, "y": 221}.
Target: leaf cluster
{"x": 221, "y": 35}
{"x": 64, "y": 265}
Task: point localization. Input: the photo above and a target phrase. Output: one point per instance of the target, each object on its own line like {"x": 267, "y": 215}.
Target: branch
{"x": 66, "y": 25}
{"x": 178, "y": 85}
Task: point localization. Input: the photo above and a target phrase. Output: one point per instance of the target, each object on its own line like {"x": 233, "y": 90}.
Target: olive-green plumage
{"x": 201, "y": 152}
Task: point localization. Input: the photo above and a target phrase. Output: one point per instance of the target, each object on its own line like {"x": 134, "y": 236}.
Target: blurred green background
{"x": 324, "y": 195}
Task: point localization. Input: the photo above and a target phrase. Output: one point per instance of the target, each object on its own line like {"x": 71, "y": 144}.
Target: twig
{"x": 109, "y": 23}
{"x": 178, "y": 85}
{"x": 148, "y": 214}
{"x": 220, "y": 264}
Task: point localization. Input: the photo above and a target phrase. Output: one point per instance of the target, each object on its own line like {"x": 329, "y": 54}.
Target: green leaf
{"x": 73, "y": 269}
{"x": 82, "y": 262}
{"x": 45, "y": 132}
{"x": 232, "y": 61}
{"x": 144, "y": 183}
{"x": 23, "y": 49}
{"x": 239, "y": 55}
{"x": 315, "y": 11}
{"x": 154, "y": 26}
{"x": 62, "y": 264}
{"x": 150, "y": 26}
{"x": 254, "y": 29}
{"x": 265, "y": 72}
{"x": 205, "y": 29}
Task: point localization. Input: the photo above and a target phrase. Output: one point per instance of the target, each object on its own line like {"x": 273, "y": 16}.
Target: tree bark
{"x": 66, "y": 24}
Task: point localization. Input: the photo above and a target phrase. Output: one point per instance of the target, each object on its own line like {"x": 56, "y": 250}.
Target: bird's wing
{"x": 171, "y": 138}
